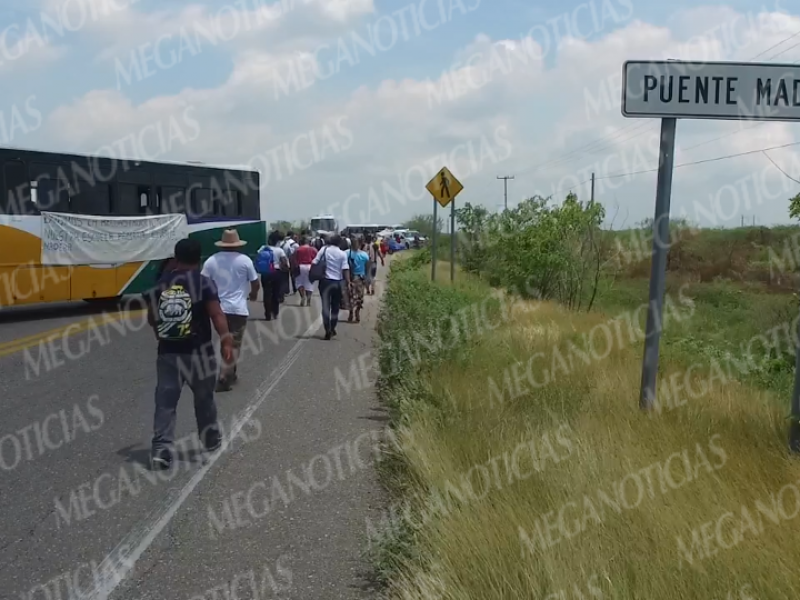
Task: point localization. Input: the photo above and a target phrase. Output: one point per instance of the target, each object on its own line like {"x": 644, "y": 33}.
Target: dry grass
{"x": 443, "y": 273}
{"x": 743, "y": 254}
{"x": 472, "y": 548}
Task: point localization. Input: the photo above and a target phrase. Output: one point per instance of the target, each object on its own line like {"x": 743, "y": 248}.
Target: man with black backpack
{"x": 271, "y": 263}
{"x": 181, "y": 310}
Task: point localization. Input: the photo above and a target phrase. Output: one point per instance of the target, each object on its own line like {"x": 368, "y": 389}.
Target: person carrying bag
{"x": 331, "y": 269}
{"x": 317, "y": 271}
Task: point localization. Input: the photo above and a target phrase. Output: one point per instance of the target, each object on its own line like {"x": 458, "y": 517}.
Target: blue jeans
{"x": 330, "y": 290}
{"x": 173, "y": 371}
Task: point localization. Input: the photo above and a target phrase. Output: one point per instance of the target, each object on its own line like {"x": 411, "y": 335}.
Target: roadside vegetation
{"x": 568, "y": 519}
{"x": 744, "y": 281}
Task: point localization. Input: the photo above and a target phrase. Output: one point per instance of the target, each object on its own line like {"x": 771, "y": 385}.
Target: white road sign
{"x": 711, "y": 90}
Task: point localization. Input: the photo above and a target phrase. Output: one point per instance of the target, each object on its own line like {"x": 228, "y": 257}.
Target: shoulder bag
{"x": 317, "y": 271}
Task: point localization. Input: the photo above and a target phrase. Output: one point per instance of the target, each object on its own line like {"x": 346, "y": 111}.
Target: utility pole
{"x": 591, "y": 200}
{"x": 505, "y": 188}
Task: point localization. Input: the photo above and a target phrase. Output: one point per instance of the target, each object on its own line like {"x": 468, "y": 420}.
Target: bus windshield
{"x": 323, "y": 224}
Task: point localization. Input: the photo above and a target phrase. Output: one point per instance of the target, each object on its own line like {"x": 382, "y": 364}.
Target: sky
{"x": 349, "y": 107}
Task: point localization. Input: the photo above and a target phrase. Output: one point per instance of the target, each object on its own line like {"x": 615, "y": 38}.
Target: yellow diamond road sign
{"x": 444, "y": 187}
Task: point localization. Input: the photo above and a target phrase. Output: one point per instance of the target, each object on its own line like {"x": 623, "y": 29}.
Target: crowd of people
{"x": 191, "y": 297}
{"x": 285, "y": 264}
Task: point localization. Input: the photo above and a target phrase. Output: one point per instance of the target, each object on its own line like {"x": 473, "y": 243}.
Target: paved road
{"x": 281, "y": 511}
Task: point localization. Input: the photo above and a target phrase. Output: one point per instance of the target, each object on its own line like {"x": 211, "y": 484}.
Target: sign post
{"x": 444, "y": 187}
{"x": 453, "y": 240}
{"x": 794, "y": 415}
{"x": 433, "y": 243}
{"x": 671, "y": 90}
{"x": 658, "y": 268}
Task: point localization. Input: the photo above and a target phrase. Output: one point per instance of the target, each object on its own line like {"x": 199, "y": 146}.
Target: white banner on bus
{"x": 69, "y": 239}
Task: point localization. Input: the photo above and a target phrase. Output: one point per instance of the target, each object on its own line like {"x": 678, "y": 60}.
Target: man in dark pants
{"x": 331, "y": 287}
{"x": 181, "y": 309}
{"x": 272, "y": 283}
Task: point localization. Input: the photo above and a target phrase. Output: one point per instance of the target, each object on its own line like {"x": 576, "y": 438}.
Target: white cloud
{"x": 26, "y": 57}
{"x": 499, "y": 95}
{"x": 251, "y": 23}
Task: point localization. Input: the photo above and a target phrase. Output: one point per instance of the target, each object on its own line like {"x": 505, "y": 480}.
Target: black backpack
{"x": 174, "y": 311}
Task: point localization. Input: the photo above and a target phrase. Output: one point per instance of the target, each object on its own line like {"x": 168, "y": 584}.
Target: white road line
{"x": 120, "y": 562}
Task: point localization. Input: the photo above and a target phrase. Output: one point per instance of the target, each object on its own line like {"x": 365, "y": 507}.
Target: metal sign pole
{"x": 453, "y": 240}
{"x": 433, "y": 242}
{"x": 658, "y": 272}
{"x": 794, "y": 425}
{"x": 444, "y": 186}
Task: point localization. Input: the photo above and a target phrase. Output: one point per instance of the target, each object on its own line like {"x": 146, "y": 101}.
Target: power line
{"x": 589, "y": 150}
{"x": 696, "y": 162}
{"x": 794, "y": 35}
{"x": 700, "y": 162}
{"x": 778, "y": 167}
{"x": 580, "y": 149}
{"x": 774, "y": 56}
{"x": 603, "y": 140}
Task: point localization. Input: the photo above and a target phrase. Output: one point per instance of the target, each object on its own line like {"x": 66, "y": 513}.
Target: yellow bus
{"x": 213, "y": 198}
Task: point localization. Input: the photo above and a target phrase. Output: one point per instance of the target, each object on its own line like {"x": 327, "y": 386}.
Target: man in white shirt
{"x": 331, "y": 288}
{"x": 235, "y": 276}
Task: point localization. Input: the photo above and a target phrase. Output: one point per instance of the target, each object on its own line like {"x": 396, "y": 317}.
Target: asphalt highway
{"x": 280, "y": 512}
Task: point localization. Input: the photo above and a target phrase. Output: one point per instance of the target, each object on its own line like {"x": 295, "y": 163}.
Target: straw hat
{"x": 230, "y": 239}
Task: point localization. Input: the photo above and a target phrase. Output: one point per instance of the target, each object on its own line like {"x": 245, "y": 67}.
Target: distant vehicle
{"x": 401, "y": 239}
{"x": 395, "y": 246}
{"x": 410, "y": 235}
{"x": 323, "y": 224}
{"x": 362, "y": 230}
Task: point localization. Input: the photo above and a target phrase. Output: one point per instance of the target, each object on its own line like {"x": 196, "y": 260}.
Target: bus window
{"x": 173, "y": 200}
{"x": 143, "y": 193}
{"x": 251, "y": 206}
{"x": 200, "y": 203}
{"x": 51, "y": 196}
{"x": 17, "y": 196}
{"x": 218, "y": 201}
{"x": 232, "y": 204}
{"x": 92, "y": 200}
{"x": 127, "y": 204}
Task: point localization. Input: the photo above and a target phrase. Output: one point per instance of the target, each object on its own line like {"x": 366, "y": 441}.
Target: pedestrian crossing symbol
{"x": 444, "y": 187}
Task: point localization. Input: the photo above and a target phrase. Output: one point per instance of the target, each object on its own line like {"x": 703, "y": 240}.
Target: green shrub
{"x": 537, "y": 249}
